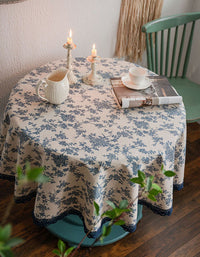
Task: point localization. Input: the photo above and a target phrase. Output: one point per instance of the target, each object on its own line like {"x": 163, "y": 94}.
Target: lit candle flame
{"x": 69, "y": 39}
{"x": 70, "y": 33}
{"x": 94, "y": 51}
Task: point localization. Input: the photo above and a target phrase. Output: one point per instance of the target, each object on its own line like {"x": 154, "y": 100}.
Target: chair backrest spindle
{"x": 181, "y": 50}
{"x": 174, "y": 52}
{"x": 156, "y": 52}
{"x": 187, "y": 56}
{"x": 152, "y": 51}
{"x": 171, "y": 24}
{"x": 161, "y": 52}
{"x": 148, "y": 52}
{"x": 167, "y": 51}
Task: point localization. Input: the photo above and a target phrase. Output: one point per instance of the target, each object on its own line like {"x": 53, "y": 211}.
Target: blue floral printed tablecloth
{"x": 89, "y": 147}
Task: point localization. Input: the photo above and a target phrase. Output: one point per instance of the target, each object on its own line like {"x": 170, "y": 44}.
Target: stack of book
{"x": 159, "y": 92}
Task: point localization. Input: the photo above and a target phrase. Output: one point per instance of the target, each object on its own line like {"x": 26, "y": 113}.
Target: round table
{"x": 90, "y": 148}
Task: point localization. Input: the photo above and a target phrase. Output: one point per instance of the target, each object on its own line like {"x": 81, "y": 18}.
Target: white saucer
{"x": 128, "y": 83}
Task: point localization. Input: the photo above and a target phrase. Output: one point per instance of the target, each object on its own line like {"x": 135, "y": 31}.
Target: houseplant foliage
{"x": 61, "y": 251}
{"x": 117, "y": 213}
{"x": 6, "y": 241}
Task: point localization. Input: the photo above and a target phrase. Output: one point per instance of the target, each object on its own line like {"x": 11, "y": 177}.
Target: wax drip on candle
{"x": 94, "y": 51}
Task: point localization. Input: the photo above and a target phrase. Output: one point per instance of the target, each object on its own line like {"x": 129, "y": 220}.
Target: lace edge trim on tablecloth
{"x": 178, "y": 187}
{"x": 94, "y": 234}
{"x": 7, "y": 177}
{"x": 24, "y": 199}
{"x": 156, "y": 209}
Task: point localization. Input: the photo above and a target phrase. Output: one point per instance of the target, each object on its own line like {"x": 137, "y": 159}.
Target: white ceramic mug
{"x": 56, "y": 86}
{"x": 137, "y": 75}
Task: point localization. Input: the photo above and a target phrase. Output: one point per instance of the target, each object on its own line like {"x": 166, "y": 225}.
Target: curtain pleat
{"x": 130, "y": 42}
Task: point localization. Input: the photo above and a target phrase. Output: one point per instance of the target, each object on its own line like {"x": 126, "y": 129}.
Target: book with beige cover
{"x": 159, "y": 92}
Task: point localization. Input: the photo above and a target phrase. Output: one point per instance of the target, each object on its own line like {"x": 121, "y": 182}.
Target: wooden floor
{"x": 176, "y": 236}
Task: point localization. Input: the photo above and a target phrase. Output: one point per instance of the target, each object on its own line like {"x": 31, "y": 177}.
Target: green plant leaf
{"x": 57, "y": 252}
{"x": 110, "y": 214}
{"x": 111, "y": 204}
{"x": 157, "y": 187}
{"x": 119, "y": 222}
{"x": 169, "y": 173}
{"x": 5, "y": 232}
{"x": 151, "y": 178}
{"x": 141, "y": 175}
{"x": 34, "y": 173}
{"x": 69, "y": 250}
{"x": 114, "y": 213}
{"x": 149, "y": 184}
{"x": 6, "y": 253}
{"x": 106, "y": 230}
{"x": 27, "y": 167}
{"x": 2, "y": 254}
{"x": 3, "y": 246}
{"x": 162, "y": 167}
{"x": 96, "y": 208}
{"x": 137, "y": 180}
{"x": 19, "y": 173}
{"x": 120, "y": 211}
{"x": 154, "y": 192}
{"x": 152, "y": 197}
{"x": 123, "y": 204}
{"x": 101, "y": 238}
{"x": 61, "y": 246}
{"x": 14, "y": 242}
{"x": 42, "y": 179}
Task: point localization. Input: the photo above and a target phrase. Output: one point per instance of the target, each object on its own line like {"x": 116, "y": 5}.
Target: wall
{"x": 194, "y": 69}
{"x": 32, "y": 33}
{"x": 188, "y": 6}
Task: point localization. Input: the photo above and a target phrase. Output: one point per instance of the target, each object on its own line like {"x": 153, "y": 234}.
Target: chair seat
{"x": 190, "y": 92}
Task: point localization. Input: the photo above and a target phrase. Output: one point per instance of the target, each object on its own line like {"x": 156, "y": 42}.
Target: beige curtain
{"x": 130, "y": 42}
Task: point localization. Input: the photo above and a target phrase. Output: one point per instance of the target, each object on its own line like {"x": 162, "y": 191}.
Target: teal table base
{"x": 70, "y": 229}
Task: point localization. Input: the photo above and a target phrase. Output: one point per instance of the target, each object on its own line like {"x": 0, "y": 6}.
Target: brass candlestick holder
{"x": 92, "y": 78}
{"x": 71, "y": 77}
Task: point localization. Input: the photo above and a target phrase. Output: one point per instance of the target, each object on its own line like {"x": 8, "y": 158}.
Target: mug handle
{"x": 41, "y": 83}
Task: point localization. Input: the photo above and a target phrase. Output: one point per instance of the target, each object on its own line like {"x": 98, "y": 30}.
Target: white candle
{"x": 94, "y": 51}
{"x": 69, "y": 39}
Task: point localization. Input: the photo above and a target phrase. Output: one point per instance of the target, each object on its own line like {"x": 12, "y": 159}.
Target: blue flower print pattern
{"x": 89, "y": 147}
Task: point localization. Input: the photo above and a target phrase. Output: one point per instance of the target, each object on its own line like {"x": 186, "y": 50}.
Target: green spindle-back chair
{"x": 172, "y": 59}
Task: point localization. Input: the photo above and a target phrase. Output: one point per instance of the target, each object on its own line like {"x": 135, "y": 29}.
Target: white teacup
{"x": 137, "y": 75}
{"x": 56, "y": 86}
